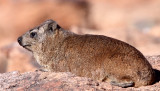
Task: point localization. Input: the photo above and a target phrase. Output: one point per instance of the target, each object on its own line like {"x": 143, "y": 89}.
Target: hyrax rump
{"x": 94, "y": 56}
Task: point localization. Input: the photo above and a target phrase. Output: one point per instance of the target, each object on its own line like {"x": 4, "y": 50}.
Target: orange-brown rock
{"x": 66, "y": 81}
{"x": 17, "y": 16}
{"x": 16, "y": 58}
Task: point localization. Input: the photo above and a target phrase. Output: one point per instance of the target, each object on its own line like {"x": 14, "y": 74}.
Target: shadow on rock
{"x": 157, "y": 73}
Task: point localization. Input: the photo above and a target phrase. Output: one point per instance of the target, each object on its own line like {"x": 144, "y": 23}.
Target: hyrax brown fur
{"x": 94, "y": 56}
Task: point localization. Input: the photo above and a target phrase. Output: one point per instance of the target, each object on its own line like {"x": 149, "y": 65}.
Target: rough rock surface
{"x": 14, "y": 57}
{"x": 47, "y": 81}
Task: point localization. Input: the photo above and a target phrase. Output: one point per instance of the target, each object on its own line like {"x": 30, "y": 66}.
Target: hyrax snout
{"x": 95, "y": 56}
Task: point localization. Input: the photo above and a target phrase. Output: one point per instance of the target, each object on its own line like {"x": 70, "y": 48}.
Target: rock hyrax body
{"x": 94, "y": 56}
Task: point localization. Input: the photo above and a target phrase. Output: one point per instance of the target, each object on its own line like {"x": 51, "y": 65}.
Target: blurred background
{"x": 136, "y": 22}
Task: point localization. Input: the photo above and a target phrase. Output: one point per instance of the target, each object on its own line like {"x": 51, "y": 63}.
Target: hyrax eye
{"x": 33, "y": 34}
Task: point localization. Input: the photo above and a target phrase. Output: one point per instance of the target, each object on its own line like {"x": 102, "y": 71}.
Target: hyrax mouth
{"x": 20, "y": 42}
{"x": 26, "y": 45}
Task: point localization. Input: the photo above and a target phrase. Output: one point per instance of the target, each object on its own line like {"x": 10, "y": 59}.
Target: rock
{"x": 112, "y": 14}
{"x": 17, "y": 58}
{"x": 43, "y": 81}
{"x": 3, "y": 63}
{"x": 155, "y": 31}
{"x": 19, "y": 16}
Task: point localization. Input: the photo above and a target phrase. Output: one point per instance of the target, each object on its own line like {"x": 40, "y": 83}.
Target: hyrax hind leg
{"x": 122, "y": 82}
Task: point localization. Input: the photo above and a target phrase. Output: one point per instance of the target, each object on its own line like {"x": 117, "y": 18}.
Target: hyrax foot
{"x": 42, "y": 70}
{"x": 122, "y": 84}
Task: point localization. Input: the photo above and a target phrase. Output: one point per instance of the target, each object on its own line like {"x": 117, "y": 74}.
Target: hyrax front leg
{"x": 122, "y": 84}
{"x": 42, "y": 70}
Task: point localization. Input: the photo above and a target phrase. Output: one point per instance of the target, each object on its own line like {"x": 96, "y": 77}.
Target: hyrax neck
{"x": 52, "y": 49}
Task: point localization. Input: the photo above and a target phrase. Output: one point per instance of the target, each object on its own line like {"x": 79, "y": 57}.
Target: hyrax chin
{"x": 94, "y": 56}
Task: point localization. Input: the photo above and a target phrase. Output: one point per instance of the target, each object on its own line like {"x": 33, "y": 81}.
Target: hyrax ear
{"x": 52, "y": 27}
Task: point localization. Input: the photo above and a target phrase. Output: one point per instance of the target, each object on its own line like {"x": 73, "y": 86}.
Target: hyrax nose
{"x": 19, "y": 40}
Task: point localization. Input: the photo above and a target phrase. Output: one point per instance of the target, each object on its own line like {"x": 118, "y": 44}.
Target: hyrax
{"x": 94, "y": 56}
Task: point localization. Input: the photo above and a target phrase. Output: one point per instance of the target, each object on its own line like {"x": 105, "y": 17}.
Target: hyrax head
{"x": 37, "y": 35}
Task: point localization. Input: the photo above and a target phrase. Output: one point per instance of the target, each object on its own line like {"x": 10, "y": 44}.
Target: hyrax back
{"x": 94, "y": 56}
